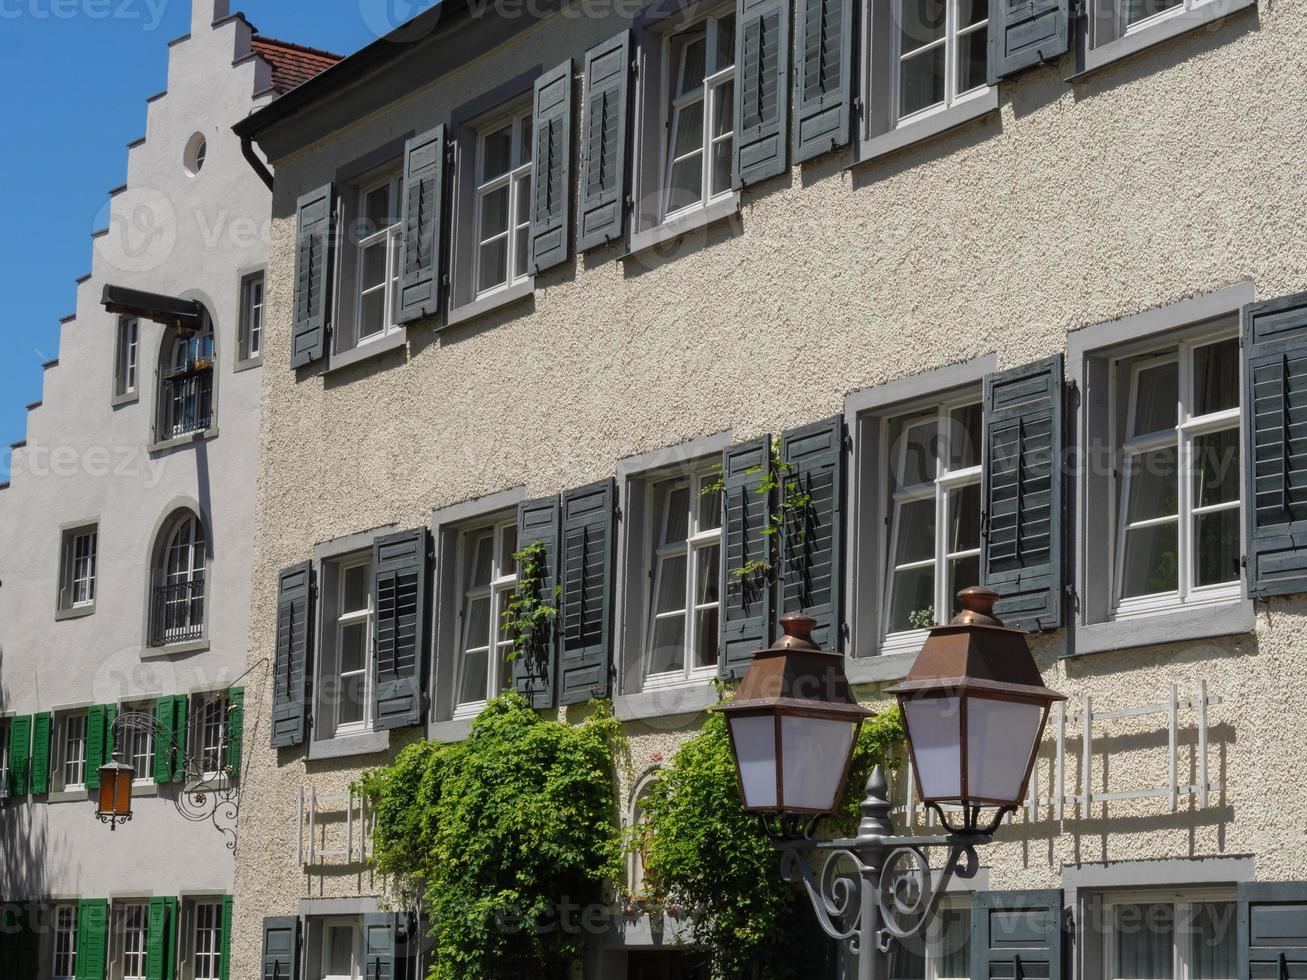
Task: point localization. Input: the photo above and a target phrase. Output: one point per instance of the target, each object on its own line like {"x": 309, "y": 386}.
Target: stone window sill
{"x": 365, "y": 352}
{"x": 130, "y": 398}
{"x": 879, "y": 670}
{"x": 80, "y": 612}
{"x": 182, "y": 442}
{"x": 492, "y": 301}
{"x": 175, "y": 650}
{"x": 249, "y": 364}
{"x": 450, "y": 731}
{"x": 683, "y": 224}
{"x": 68, "y": 796}
{"x": 928, "y": 126}
{"x": 1161, "y": 30}
{"x": 348, "y": 746}
{"x": 1181, "y": 625}
{"x": 682, "y": 699}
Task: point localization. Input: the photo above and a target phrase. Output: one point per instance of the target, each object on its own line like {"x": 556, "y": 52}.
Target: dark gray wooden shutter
{"x": 812, "y": 537}
{"x": 746, "y": 611}
{"x": 823, "y": 33}
{"x": 551, "y": 168}
{"x": 589, "y": 533}
{"x": 379, "y": 946}
{"x": 1017, "y": 934}
{"x": 313, "y": 272}
{"x": 291, "y": 683}
{"x": 1021, "y": 541}
{"x": 281, "y": 948}
{"x": 762, "y": 112}
{"x": 1272, "y": 930}
{"x": 602, "y": 211}
{"x": 399, "y": 603}
{"x": 1275, "y": 434}
{"x": 533, "y": 670}
{"x": 420, "y": 260}
{"x": 1025, "y": 33}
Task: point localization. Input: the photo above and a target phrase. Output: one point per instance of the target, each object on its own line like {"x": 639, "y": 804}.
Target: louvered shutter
{"x": 235, "y": 729}
{"x": 420, "y": 258}
{"x": 291, "y": 685}
{"x": 1275, "y": 433}
{"x": 606, "y": 119}
{"x": 1017, "y": 934}
{"x": 812, "y": 551}
{"x": 281, "y": 948}
{"x": 313, "y": 272}
{"x": 156, "y": 941}
{"x": 1272, "y": 930}
{"x": 224, "y": 961}
{"x": 20, "y": 748}
{"x": 95, "y": 745}
{"x": 180, "y": 720}
{"x": 92, "y": 928}
{"x": 1021, "y": 541}
{"x": 762, "y": 112}
{"x": 746, "y": 586}
{"x": 1025, "y": 33}
{"x": 533, "y": 668}
{"x": 823, "y": 33}
{"x": 551, "y": 168}
{"x": 379, "y": 946}
{"x": 40, "y": 777}
{"x": 399, "y": 603}
{"x": 165, "y": 717}
{"x": 585, "y": 650}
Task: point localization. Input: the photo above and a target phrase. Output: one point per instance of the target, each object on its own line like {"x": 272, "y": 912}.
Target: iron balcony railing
{"x": 186, "y": 400}
{"x": 177, "y": 613}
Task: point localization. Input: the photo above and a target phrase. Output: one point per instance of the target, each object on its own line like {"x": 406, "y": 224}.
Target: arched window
{"x": 638, "y": 821}
{"x": 186, "y": 382}
{"x": 177, "y": 607}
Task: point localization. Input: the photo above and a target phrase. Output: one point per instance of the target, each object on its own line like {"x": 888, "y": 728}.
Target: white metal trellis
{"x": 358, "y": 820}
{"x": 1065, "y": 721}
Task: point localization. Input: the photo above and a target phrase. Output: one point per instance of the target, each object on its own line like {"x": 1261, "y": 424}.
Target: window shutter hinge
{"x": 1077, "y": 8}
{"x": 1243, "y": 561}
{"x": 635, "y": 67}
{"x": 444, "y": 279}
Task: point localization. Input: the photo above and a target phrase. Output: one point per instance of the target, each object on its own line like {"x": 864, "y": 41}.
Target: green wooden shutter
{"x": 1021, "y": 540}
{"x": 281, "y": 948}
{"x": 551, "y": 168}
{"x": 533, "y": 670}
{"x": 1272, "y": 930}
{"x": 180, "y": 721}
{"x": 812, "y": 535}
{"x": 313, "y": 274}
{"x": 747, "y": 600}
{"x": 601, "y": 214}
{"x": 21, "y": 928}
{"x": 762, "y": 94}
{"x": 291, "y": 684}
{"x": 172, "y": 935}
{"x": 1026, "y": 33}
{"x": 399, "y": 603}
{"x": 379, "y": 946}
{"x": 92, "y": 929}
{"x": 165, "y": 714}
{"x": 20, "y": 749}
{"x": 1275, "y": 471}
{"x": 95, "y": 745}
{"x": 156, "y": 939}
{"x": 585, "y": 648}
{"x": 235, "y": 729}
{"x": 420, "y": 261}
{"x": 224, "y": 961}
{"x": 1017, "y": 934}
{"x": 823, "y": 33}
{"x": 41, "y": 727}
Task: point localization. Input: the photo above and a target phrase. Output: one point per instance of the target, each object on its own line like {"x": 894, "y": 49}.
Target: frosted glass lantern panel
{"x": 1000, "y": 738}
{"x": 755, "y": 747}
{"x": 934, "y": 729}
{"x": 813, "y": 753}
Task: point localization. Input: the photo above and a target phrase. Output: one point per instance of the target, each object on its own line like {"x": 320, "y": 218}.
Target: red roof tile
{"x": 292, "y": 64}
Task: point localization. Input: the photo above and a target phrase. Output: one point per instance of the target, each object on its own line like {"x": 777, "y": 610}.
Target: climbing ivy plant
{"x": 508, "y": 839}
{"x": 529, "y": 615}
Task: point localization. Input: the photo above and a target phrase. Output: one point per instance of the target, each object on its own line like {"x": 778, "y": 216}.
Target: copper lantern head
{"x": 115, "y": 801}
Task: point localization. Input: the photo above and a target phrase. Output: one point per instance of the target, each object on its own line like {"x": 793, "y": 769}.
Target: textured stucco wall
{"x": 1174, "y": 174}
{"x": 87, "y": 460}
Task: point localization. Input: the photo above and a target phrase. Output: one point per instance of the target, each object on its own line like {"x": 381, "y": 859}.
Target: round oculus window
{"x": 197, "y": 149}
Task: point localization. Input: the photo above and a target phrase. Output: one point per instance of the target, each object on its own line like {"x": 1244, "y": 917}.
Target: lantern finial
{"x": 977, "y": 607}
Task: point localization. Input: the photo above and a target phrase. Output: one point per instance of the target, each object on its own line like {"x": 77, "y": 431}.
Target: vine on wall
{"x": 529, "y": 615}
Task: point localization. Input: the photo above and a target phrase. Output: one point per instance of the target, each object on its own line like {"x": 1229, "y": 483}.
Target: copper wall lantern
{"x": 115, "y": 803}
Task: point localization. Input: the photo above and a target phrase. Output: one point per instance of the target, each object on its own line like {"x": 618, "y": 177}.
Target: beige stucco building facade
{"x": 1123, "y": 207}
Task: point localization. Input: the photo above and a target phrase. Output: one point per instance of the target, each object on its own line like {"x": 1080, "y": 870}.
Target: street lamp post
{"x": 974, "y": 706}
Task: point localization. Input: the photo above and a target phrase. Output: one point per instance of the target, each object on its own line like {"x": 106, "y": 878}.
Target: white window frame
{"x": 342, "y": 618}
{"x": 127, "y": 357}
{"x": 930, "y": 969}
{"x": 137, "y": 744}
{"x": 500, "y": 591}
{"x": 1188, "y": 428}
{"x": 211, "y": 954}
{"x": 1125, "y": 28}
{"x": 63, "y": 944}
{"x": 252, "y": 298}
{"x": 939, "y": 488}
{"x": 518, "y": 181}
{"x": 698, "y": 539}
{"x": 635, "y": 865}
{"x": 357, "y": 933}
{"x": 950, "y": 41}
{"x": 1182, "y": 901}
{"x": 672, "y": 106}
{"x": 209, "y": 733}
{"x": 83, "y": 548}
{"x": 184, "y": 562}
{"x": 128, "y": 933}
{"x": 72, "y": 750}
{"x": 390, "y": 237}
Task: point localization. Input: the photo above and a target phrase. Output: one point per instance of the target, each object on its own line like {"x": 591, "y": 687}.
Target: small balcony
{"x": 186, "y": 400}
{"x": 177, "y": 613}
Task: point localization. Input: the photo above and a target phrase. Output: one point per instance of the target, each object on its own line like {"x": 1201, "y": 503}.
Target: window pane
{"x": 689, "y": 129}
{"x": 478, "y": 622}
{"x": 1216, "y": 377}
{"x": 972, "y": 67}
{"x": 340, "y": 951}
{"x": 671, "y": 584}
{"x": 916, "y": 457}
{"x": 668, "y": 651}
{"x": 721, "y": 167}
{"x": 1216, "y": 539}
{"x": 1157, "y": 396}
{"x": 708, "y": 575}
{"x": 964, "y": 518}
{"x": 472, "y": 687}
{"x": 1154, "y": 490}
{"x": 677, "y": 521}
{"x": 1145, "y": 942}
{"x": 972, "y": 12}
{"x": 706, "y": 627}
{"x": 494, "y": 213}
{"x": 916, "y": 531}
{"x": 498, "y": 150}
{"x": 923, "y": 22}
{"x": 374, "y": 266}
{"x": 372, "y": 313}
{"x": 377, "y": 210}
{"x": 508, "y": 547}
{"x": 355, "y": 593}
{"x": 352, "y": 697}
{"x": 688, "y": 58}
{"x": 725, "y": 42}
{"x": 951, "y": 948}
{"x": 1151, "y": 562}
{"x": 1216, "y": 468}
{"x": 1137, "y": 10}
{"x": 966, "y": 427}
{"x": 907, "y": 964}
{"x": 921, "y": 81}
{"x": 710, "y": 508}
{"x": 494, "y": 264}
{"x": 1213, "y": 942}
{"x": 480, "y": 551}
{"x": 524, "y": 152}
{"x": 963, "y": 574}
{"x": 353, "y": 647}
{"x": 914, "y": 599}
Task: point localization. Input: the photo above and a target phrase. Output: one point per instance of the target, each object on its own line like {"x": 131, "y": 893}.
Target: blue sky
{"x": 74, "y": 77}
